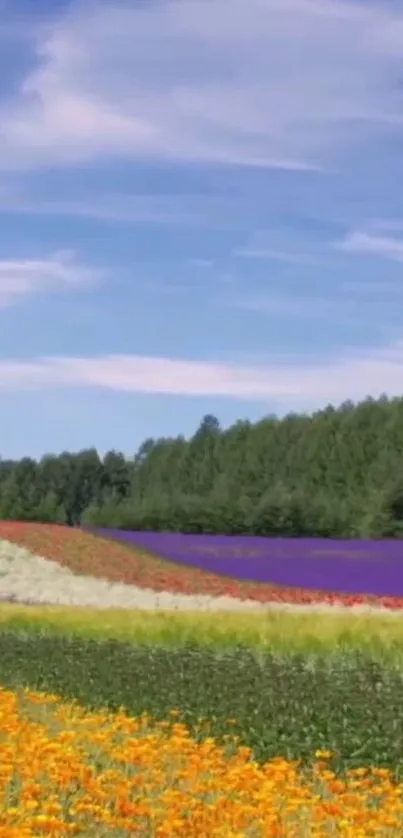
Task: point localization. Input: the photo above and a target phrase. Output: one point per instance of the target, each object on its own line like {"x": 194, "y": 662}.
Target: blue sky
{"x": 201, "y": 211}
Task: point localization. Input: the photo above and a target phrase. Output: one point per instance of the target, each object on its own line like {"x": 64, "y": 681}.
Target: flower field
{"x": 182, "y": 723}
{"x": 68, "y": 772}
{"x": 354, "y": 566}
{"x": 87, "y": 554}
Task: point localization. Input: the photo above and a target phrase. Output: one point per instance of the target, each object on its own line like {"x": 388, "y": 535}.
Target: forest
{"x": 337, "y": 473}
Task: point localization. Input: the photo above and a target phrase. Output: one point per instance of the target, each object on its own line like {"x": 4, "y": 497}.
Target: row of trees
{"x": 337, "y": 473}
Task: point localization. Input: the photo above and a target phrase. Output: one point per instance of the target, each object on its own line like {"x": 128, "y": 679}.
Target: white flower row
{"x": 25, "y": 577}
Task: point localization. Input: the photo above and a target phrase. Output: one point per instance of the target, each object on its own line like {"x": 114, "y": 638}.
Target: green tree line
{"x": 336, "y": 473}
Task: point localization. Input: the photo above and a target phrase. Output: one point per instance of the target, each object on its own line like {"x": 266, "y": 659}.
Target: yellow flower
{"x": 82, "y": 773}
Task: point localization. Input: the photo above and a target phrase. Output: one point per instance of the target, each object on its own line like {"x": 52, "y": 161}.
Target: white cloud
{"x": 21, "y": 277}
{"x": 261, "y": 82}
{"x": 382, "y": 246}
{"x": 291, "y": 385}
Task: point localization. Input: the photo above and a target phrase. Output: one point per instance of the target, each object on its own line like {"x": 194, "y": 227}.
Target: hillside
{"x": 337, "y": 473}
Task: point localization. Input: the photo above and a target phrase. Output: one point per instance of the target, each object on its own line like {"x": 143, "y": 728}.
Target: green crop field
{"x": 290, "y": 683}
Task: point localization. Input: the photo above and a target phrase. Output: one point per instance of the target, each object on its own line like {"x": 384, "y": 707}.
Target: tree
{"x": 335, "y": 473}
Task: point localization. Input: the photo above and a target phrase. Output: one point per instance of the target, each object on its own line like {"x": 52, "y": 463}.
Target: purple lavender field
{"x": 350, "y": 567}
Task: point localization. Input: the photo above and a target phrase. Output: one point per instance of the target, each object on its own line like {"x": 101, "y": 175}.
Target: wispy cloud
{"x": 219, "y": 82}
{"x": 268, "y": 254}
{"x": 22, "y": 277}
{"x": 287, "y": 305}
{"x": 290, "y": 384}
{"x": 201, "y": 263}
{"x": 357, "y": 309}
{"x": 383, "y": 246}
{"x": 390, "y": 225}
{"x": 194, "y": 210}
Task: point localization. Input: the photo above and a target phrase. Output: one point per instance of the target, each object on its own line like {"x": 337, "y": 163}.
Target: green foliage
{"x": 286, "y": 705}
{"x": 337, "y": 473}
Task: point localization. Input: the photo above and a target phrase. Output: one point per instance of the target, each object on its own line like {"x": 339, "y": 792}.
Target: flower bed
{"x": 92, "y": 556}
{"x": 70, "y": 772}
